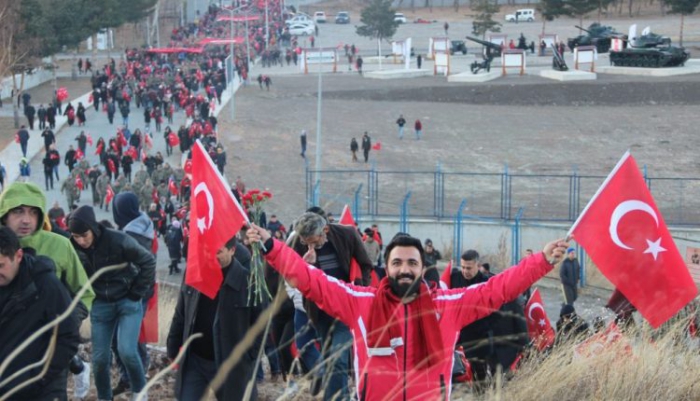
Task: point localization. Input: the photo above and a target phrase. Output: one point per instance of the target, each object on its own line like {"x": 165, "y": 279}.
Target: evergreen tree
{"x": 377, "y": 20}
{"x": 579, "y": 8}
{"x": 484, "y": 9}
{"x": 682, "y": 7}
{"x": 551, "y": 9}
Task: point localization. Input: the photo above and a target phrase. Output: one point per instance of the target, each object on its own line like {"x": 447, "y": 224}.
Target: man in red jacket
{"x": 404, "y": 332}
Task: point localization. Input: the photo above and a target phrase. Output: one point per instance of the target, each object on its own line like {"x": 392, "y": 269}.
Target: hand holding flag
{"x": 626, "y": 237}
{"x": 215, "y": 217}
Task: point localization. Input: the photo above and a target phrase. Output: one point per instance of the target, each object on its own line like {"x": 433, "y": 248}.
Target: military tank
{"x": 597, "y": 35}
{"x": 648, "y": 50}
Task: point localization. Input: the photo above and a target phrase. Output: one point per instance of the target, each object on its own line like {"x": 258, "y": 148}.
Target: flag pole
{"x": 605, "y": 184}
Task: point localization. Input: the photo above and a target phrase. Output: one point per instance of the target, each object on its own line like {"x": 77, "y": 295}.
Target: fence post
{"x": 404, "y": 213}
{"x": 317, "y": 194}
{"x": 505, "y": 194}
{"x": 439, "y": 192}
{"x": 309, "y": 190}
{"x": 573, "y": 191}
{"x": 582, "y": 263}
{"x": 457, "y": 235}
{"x": 356, "y": 203}
{"x": 516, "y": 237}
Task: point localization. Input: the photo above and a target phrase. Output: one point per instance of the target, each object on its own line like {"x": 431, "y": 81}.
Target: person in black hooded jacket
{"x": 31, "y": 296}
{"x": 119, "y": 294}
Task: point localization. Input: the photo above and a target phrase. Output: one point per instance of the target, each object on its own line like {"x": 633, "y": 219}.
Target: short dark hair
{"x": 231, "y": 243}
{"x": 407, "y": 241}
{"x": 486, "y": 266}
{"x": 469, "y": 255}
{"x": 9, "y": 242}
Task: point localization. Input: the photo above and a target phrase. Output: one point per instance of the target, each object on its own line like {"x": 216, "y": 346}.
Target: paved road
{"x": 98, "y": 126}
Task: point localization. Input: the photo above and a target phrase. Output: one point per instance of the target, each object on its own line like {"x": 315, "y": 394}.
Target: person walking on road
{"x": 302, "y": 138}
{"x": 569, "y": 274}
{"x": 418, "y": 126}
{"x": 401, "y": 122}
{"x": 366, "y": 145}
{"x": 354, "y": 148}
{"x": 23, "y": 139}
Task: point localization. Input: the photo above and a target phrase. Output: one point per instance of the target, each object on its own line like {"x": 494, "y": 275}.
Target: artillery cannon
{"x": 558, "y": 62}
{"x": 649, "y": 50}
{"x": 492, "y": 50}
{"x": 597, "y": 35}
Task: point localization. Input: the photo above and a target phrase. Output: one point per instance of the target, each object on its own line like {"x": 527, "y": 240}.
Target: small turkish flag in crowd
{"x": 109, "y": 195}
{"x": 597, "y": 343}
{"x": 346, "y": 219}
{"x": 538, "y": 326}
{"x": 446, "y": 277}
{"x": 172, "y": 186}
{"x": 215, "y": 217}
{"x": 623, "y": 232}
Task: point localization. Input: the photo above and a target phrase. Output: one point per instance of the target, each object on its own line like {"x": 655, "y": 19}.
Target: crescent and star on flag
{"x": 537, "y": 305}
{"x": 201, "y": 221}
{"x": 653, "y": 247}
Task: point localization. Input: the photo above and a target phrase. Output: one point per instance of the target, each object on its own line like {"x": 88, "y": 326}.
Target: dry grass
{"x": 662, "y": 365}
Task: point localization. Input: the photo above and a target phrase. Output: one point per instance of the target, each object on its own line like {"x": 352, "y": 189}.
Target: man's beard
{"x": 404, "y": 289}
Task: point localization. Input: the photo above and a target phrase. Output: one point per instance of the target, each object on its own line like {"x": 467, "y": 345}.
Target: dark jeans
{"x": 336, "y": 341}
{"x": 124, "y": 317}
{"x": 305, "y": 340}
{"x": 197, "y": 373}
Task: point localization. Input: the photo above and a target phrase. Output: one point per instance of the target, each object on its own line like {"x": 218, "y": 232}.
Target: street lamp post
{"x": 232, "y": 78}
{"x": 319, "y": 115}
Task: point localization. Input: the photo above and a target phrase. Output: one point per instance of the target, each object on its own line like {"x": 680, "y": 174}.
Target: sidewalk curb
{"x": 12, "y": 154}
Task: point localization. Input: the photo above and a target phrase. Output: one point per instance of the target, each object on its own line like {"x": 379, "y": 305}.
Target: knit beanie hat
{"x": 83, "y": 220}
{"x": 125, "y": 208}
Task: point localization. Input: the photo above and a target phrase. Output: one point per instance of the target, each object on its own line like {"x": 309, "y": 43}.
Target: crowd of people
{"x": 376, "y": 308}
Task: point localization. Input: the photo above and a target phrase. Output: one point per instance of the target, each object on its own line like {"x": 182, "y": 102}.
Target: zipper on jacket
{"x": 405, "y": 347}
{"x": 443, "y": 392}
{"x": 363, "y": 396}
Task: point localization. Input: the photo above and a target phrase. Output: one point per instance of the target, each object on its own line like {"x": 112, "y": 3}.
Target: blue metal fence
{"x": 437, "y": 194}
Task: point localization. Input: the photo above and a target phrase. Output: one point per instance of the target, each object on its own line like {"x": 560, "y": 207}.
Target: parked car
{"x": 342, "y": 17}
{"x": 301, "y": 29}
{"x": 320, "y": 17}
{"x": 525, "y": 14}
{"x": 299, "y": 18}
{"x": 400, "y": 18}
{"x": 458, "y": 46}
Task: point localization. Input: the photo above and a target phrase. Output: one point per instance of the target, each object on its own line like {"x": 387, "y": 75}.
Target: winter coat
{"x": 173, "y": 239}
{"x": 69, "y": 269}
{"x": 348, "y": 245}
{"x": 233, "y": 319}
{"x": 35, "y": 298}
{"x": 392, "y": 375}
{"x": 568, "y": 272}
{"x": 134, "y": 280}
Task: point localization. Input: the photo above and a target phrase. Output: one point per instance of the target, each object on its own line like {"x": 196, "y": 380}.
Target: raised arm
{"x": 466, "y": 305}
{"x": 335, "y": 297}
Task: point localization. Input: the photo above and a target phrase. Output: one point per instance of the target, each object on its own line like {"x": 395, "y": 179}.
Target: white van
{"x": 525, "y": 14}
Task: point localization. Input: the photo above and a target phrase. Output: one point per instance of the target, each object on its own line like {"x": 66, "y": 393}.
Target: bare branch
{"x": 143, "y": 394}
{"x": 46, "y": 361}
{"x": 60, "y": 318}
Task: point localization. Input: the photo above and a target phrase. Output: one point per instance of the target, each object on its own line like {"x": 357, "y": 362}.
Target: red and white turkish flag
{"x": 446, "y": 277}
{"x": 626, "y": 237}
{"x": 538, "y": 326}
{"x": 346, "y": 219}
{"x": 109, "y": 195}
{"x": 215, "y": 217}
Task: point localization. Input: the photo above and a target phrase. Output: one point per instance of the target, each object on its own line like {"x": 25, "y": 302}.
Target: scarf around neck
{"x": 385, "y": 331}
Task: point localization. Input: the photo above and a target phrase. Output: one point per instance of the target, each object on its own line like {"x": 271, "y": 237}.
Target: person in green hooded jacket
{"x": 23, "y": 210}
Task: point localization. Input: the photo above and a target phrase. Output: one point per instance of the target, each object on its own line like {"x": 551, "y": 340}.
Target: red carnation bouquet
{"x": 258, "y": 292}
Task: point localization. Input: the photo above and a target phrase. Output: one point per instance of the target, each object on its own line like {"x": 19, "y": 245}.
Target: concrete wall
{"x": 30, "y": 81}
{"x": 462, "y": 3}
{"x": 485, "y": 237}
